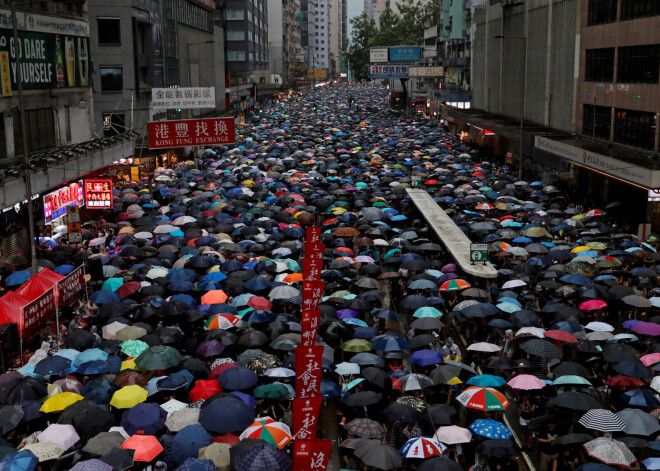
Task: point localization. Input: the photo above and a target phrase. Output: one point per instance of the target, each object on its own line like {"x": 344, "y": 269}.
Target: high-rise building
{"x": 321, "y": 35}
{"x": 284, "y": 20}
{"x": 374, "y": 8}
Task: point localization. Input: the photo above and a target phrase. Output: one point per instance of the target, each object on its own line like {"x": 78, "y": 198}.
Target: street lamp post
{"x": 522, "y": 100}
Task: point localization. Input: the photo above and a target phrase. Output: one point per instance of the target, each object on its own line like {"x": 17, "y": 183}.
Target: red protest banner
{"x": 309, "y": 326}
{"x": 305, "y": 417}
{"x": 191, "y": 132}
{"x": 311, "y": 294}
{"x": 312, "y": 269}
{"x": 70, "y": 287}
{"x": 37, "y": 311}
{"x": 308, "y": 371}
{"x": 313, "y": 235}
{"x": 314, "y": 250}
{"x": 309, "y": 455}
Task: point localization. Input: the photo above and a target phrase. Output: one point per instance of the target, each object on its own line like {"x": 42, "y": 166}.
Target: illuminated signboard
{"x": 98, "y": 194}
{"x": 55, "y": 203}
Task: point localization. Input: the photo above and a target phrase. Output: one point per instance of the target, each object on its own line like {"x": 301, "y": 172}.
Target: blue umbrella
{"x": 490, "y": 381}
{"x": 21, "y": 461}
{"x": 90, "y": 355}
{"x": 188, "y": 441}
{"x": 387, "y": 315}
{"x": 576, "y": 279}
{"x": 330, "y": 389}
{"x": 226, "y": 415}
{"x": 52, "y": 365}
{"x": 491, "y": 429}
{"x": 237, "y": 378}
{"x": 180, "y": 274}
{"x": 99, "y": 391}
{"x": 146, "y": 418}
{"x": 194, "y": 464}
{"x": 208, "y": 285}
{"x": 215, "y": 276}
{"x": 104, "y": 296}
{"x": 93, "y": 367}
{"x": 366, "y": 333}
{"x": 18, "y": 278}
{"x": 634, "y": 368}
{"x": 181, "y": 286}
{"x": 390, "y": 343}
{"x": 64, "y": 269}
{"x": 501, "y": 323}
{"x": 425, "y": 357}
{"x": 640, "y": 397}
{"x": 422, "y": 284}
{"x": 257, "y": 284}
{"x": 246, "y": 398}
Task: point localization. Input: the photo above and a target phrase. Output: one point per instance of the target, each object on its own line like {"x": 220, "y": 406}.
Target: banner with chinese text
{"x": 70, "y": 287}
{"x": 309, "y": 327}
{"x": 309, "y": 455}
{"x": 311, "y": 294}
{"x": 36, "y": 312}
{"x": 305, "y": 417}
{"x": 191, "y": 132}
{"x": 308, "y": 371}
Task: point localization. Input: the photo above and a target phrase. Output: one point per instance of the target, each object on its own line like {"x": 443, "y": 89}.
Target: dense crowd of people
{"x": 189, "y": 331}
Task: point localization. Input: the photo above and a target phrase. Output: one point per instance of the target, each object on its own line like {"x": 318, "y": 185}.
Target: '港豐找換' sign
{"x": 47, "y": 61}
{"x": 191, "y": 132}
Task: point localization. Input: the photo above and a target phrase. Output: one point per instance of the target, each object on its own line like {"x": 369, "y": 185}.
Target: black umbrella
{"x": 570, "y": 368}
{"x": 574, "y": 401}
{"x": 26, "y": 388}
{"x": 572, "y": 439}
{"x": 398, "y": 412}
{"x": 441, "y": 414}
{"x": 80, "y": 339}
{"x": 439, "y": 464}
{"x": 497, "y": 448}
{"x": 364, "y": 398}
{"x": 119, "y": 459}
{"x": 378, "y": 455}
{"x": 87, "y": 418}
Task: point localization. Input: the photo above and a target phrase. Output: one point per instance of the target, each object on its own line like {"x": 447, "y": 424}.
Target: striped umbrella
{"x": 485, "y": 399}
{"x": 265, "y": 428}
{"x": 454, "y": 285}
{"x": 422, "y": 447}
{"x": 221, "y": 321}
{"x": 603, "y": 420}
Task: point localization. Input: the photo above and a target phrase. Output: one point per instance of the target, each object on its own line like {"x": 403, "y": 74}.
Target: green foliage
{"x": 403, "y": 29}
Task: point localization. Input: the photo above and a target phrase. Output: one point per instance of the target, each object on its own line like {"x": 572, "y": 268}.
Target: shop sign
{"x": 191, "y": 132}
{"x": 378, "y": 55}
{"x": 425, "y": 71}
{"x": 388, "y": 71}
{"x": 183, "y": 98}
{"x": 37, "y": 311}
{"x": 70, "y": 287}
{"x": 44, "y": 23}
{"x": 56, "y": 203}
{"x": 47, "y": 60}
{"x": 98, "y": 194}
{"x": 398, "y": 54}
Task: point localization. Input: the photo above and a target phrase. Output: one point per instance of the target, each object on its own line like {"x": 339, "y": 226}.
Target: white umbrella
{"x": 165, "y": 229}
{"x": 484, "y": 347}
{"x": 452, "y": 435}
{"x": 535, "y": 331}
{"x": 144, "y": 235}
{"x": 181, "y": 220}
{"x": 63, "y": 436}
{"x": 599, "y": 327}
{"x": 96, "y": 242}
{"x": 416, "y": 381}
{"x": 280, "y": 373}
{"x": 347, "y": 368}
{"x": 513, "y": 284}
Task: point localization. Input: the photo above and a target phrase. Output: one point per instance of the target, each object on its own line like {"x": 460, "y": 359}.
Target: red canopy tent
{"x": 10, "y": 308}
{"x": 38, "y": 284}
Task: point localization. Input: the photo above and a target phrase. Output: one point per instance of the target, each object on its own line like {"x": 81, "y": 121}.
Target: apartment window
{"x": 235, "y": 35}
{"x": 639, "y": 64}
{"x": 251, "y": 56}
{"x": 635, "y": 128}
{"x": 109, "y": 31}
{"x": 596, "y": 121}
{"x": 112, "y": 79}
{"x": 601, "y": 12}
{"x": 237, "y": 56}
{"x": 40, "y": 127}
{"x": 631, "y": 9}
{"x": 599, "y": 65}
{"x": 235, "y": 14}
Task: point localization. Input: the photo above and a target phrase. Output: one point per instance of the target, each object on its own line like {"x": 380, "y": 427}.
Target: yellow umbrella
{"x": 581, "y": 248}
{"x": 454, "y": 381}
{"x": 579, "y": 216}
{"x": 129, "y": 365}
{"x": 127, "y": 230}
{"x": 128, "y": 396}
{"x": 59, "y": 402}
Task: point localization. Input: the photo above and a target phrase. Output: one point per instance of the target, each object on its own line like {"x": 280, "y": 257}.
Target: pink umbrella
{"x": 526, "y": 382}
{"x": 651, "y": 359}
{"x": 647, "y": 328}
{"x": 453, "y": 434}
{"x": 61, "y": 435}
{"x": 451, "y": 267}
{"x": 593, "y": 304}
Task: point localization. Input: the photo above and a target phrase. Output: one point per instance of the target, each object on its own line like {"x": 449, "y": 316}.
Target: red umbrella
{"x": 229, "y": 438}
{"x": 561, "y": 336}
{"x": 622, "y": 381}
{"x": 259, "y": 302}
{"x": 204, "y": 389}
{"x": 146, "y": 447}
{"x": 129, "y": 288}
{"x": 221, "y": 368}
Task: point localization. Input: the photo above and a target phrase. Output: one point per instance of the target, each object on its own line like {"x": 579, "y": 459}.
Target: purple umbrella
{"x": 209, "y": 348}
{"x": 646, "y": 328}
{"x": 346, "y": 314}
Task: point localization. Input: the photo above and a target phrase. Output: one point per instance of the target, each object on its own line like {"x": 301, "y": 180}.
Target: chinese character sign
{"x": 314, "y": 250}
{"x": 309, "y": 326}
{"x": 68, "y": 288}
{"x": 37, "y": 311}
{"x": 98, "y": 194}
{"x": 191, "y": 132}
{"x": 312, "y": 268}
{"x": 310, "y": 455}
{"x": 305, "y": 417}
{"x": 311, "y": 294}
{"x": 313, "y": 235}
{"x": 308, "y": 371}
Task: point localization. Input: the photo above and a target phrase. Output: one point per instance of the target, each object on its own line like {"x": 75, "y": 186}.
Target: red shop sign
{"x": 191, "y": 132}
{"x": 55, "y": 203}
{"x": 98, "y": 194}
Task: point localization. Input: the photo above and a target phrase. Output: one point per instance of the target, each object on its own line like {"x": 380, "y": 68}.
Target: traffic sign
{"x": 478, "y": 253}
{"x": 415, "y": 181}
{"x": 72, "y": 214}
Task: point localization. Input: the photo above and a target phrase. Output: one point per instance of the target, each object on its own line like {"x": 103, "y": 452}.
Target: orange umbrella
{"x": 146, "y": 447}
{"x": 216, "y": 296}
{"x": 293, "y": 277}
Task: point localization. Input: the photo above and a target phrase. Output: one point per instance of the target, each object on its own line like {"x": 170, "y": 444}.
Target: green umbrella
{"x": 112, "y": 284}
{"x": 356, "y": 345}
{"x": 130, "y": 332}
{"x": 160, "y": 357}
{"x": 271, "y": 391}
{"x": 134, "y": 348}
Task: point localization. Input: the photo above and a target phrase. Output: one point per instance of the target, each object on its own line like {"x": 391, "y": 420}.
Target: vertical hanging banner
{"x": 314, "y": 251}
{"x": 309, "y": 455}
{"x": 305, "y": 417}
{"x": 312, "y": 269}
{"x": 308, "y": 371}
{"x": 313, "y": 235}
{"x": 309, "y": 327}
{"x": 311, "y": 294}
